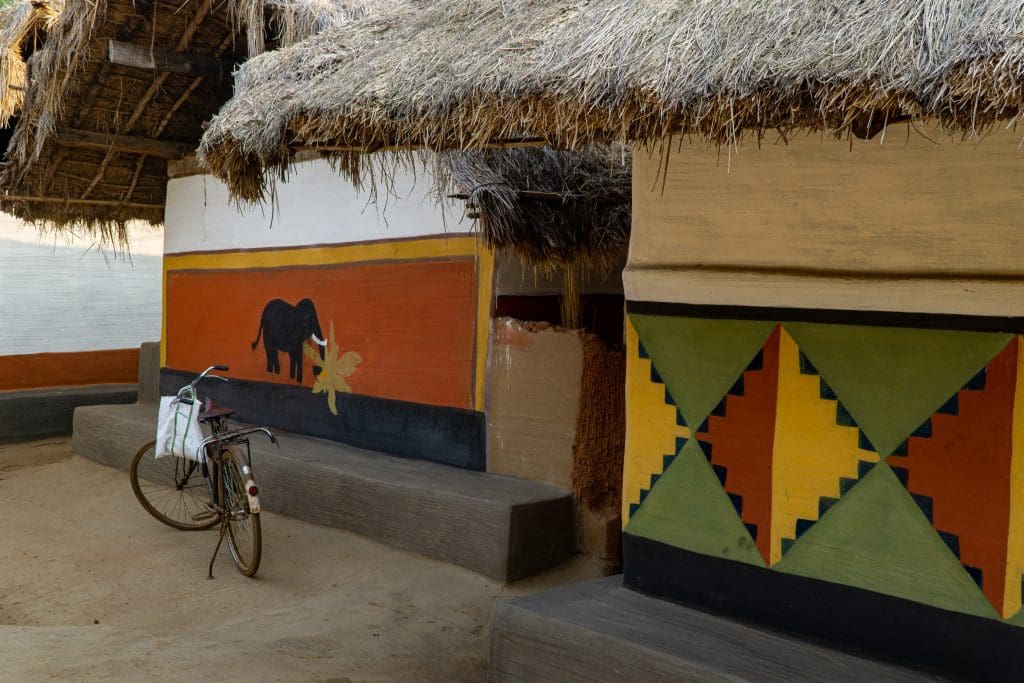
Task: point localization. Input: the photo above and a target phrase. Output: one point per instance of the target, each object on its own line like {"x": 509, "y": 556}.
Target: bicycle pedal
{"x": 205, "y": 515}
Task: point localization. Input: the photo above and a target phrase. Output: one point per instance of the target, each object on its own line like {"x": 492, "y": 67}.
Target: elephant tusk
{"x": 318, "y": 340}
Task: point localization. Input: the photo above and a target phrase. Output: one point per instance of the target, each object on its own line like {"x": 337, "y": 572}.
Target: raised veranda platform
{"x": 502, "y": 527}
{"x": 41, "y": 413}
{"x": 600, "y": 631}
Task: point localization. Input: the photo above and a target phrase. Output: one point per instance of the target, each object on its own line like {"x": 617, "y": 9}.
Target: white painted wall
{"x": 67, "y": 296}
{"x": 315, "y": 206}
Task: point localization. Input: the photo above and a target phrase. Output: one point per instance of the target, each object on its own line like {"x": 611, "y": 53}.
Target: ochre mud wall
{"x": 555, "y": 414}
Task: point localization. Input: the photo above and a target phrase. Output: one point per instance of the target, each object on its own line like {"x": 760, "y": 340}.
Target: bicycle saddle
{"x": 213, "y": 411}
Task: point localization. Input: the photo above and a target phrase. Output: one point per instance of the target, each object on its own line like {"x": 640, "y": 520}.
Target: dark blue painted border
{"x": 452, "y": 436}
{"x": 850, "y": 618}
{"x": 931, "y": 321}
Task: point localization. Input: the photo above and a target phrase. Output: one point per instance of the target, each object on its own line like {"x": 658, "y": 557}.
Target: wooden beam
{"x": 142, "y": 57}
{"x": 89, "y": 202}
{"x": 69, "y": 137}
{"x": 180, "y": 168}
{"x": 186, "y": 37}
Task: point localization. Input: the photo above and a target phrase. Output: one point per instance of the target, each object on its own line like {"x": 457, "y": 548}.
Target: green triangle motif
{"x": 699, "y": 359}
{"x": 876, "y": 538}
{"x": 688, "y": 508}
{"x": 892, "y": 379}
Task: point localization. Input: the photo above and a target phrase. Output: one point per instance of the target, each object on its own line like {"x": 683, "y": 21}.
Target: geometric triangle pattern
{"x": 654, "y": 426}
{"x": 797, "y": 418}
{"x": 819, "y": 450}
{"x": 688, "y": 508}
{"x": 949, "y": 465}
{"x": 892, "y": 378}
{"x": 877, "y": 539}
{"x": 699, "y": 359}
{"x": 737, "y": 440}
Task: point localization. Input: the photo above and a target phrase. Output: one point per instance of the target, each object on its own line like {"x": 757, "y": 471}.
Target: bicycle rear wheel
{"x": 171, "y": 489}
{"x": 244, "y": 534}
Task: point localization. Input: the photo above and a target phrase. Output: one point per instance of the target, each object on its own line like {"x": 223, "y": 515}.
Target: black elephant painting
{"x": 285, "y": 328}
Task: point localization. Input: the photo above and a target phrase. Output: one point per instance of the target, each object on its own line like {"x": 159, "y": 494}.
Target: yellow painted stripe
{"x": 651, "y": 427}
{"x": 163, "y": 317}
{"x": 810, "y": 453}
{"x": 326, "y": 255}
{"x": 1015, "y": 546}
{"x": 484, "y": 294}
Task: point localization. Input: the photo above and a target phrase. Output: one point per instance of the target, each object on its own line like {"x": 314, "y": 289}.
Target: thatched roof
{"x": 23, "y": 26}
{"x": 91, "y": 146}
{"x": 462, "y": 74}
{"x": 551, "y": 208}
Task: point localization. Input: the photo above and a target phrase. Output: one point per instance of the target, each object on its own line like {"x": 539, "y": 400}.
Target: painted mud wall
{"x": 73, "y": 319}
{"x": 825, "y": 392}
{"x": 400, "y": 295}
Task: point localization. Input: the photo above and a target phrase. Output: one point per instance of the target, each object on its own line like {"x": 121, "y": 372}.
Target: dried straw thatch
{"x": 75, "y": 92}
{"x": 462, "y": 74}
{"x": 551, "y": 208}
{"x": 560, "y": 212}
{"x": 23, "y": 26}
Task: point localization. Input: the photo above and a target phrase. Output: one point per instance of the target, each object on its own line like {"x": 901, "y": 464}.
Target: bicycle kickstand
{"x": 223, "y": 530}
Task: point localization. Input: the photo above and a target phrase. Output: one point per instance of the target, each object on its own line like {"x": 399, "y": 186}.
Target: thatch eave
{"x": 92, "y": 140}
{"x": 467, "y": 74}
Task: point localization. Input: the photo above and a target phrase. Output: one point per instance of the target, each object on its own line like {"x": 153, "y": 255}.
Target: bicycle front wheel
{"x": 244, "y": 536}
{"x": 171, "y": 489}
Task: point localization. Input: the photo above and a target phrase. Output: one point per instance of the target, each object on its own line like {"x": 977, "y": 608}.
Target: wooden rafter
{"x": 151, "y": 59}
{"x": 144, "y": 101}
{"x": 88, "y": 202}
{"x": 69, "y": 137}
{"x": 224, "y": 44}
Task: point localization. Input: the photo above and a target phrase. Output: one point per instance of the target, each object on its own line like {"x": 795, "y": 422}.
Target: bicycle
{"x": 169, "y": 488}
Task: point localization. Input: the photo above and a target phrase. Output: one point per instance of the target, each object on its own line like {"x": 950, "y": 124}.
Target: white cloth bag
{"x": 177, "y": 430}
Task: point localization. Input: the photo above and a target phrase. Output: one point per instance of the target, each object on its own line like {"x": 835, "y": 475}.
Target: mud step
{"x": 502, "y": 527}
{"x": 600, "y": 631}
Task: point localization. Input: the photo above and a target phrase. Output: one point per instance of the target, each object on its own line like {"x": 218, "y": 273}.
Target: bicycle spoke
{"x": 171, "y": 489}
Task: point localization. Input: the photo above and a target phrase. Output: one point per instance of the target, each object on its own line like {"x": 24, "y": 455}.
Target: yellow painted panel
{"x": 811, "y": 452}
{"x": 484, "y": 306}
{"x": 1015, "y": 546}
{"x": 651, "y": 429}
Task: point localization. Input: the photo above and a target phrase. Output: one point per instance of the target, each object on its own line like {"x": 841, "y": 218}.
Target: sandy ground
{"x": 93, "y": 588}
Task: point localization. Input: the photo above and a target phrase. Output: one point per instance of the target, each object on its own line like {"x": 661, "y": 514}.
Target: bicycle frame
{"x": 208, "y": 453}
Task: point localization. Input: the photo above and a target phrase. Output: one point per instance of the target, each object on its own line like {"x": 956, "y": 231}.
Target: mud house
{"x": 73, "y": 314}
{"x": 352, "y": 318}
{"x": 823, "y": 294}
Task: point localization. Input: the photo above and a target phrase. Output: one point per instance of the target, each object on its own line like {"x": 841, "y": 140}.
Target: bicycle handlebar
{"x": 204, "y": 375}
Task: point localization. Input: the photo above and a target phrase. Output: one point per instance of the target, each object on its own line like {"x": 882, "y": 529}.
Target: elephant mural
{"x": 286, "y": 328}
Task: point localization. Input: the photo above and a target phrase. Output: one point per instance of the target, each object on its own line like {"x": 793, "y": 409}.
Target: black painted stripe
{"x": 452, "y": 436}
{"x": 932, "y": 321}
{"x": 849, "y": 618}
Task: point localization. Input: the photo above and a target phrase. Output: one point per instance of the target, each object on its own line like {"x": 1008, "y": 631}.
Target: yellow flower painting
{"x": 334, "y": 369}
